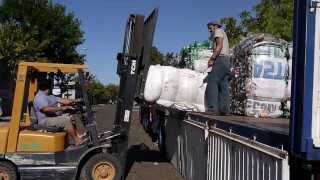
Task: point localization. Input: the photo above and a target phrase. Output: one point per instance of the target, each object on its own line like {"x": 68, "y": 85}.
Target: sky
{"x": 180, "y": 23}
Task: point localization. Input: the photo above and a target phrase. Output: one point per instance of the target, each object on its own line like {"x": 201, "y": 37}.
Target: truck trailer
{"x": 204, "y": 146}
{"x": 200, "y": 146}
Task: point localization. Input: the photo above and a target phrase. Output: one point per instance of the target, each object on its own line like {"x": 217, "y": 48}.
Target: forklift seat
{"x": 34, "y": 122}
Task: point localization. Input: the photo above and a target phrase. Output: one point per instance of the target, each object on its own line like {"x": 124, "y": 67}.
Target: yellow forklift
{"x": 30, "y": 151}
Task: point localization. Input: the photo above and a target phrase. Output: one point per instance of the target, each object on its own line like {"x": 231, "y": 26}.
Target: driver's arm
{"x": 49, "y": 105}
{"x": 64, "y": 101}
{"x": 67, "y": 102}
{"x": 53, "y": 109}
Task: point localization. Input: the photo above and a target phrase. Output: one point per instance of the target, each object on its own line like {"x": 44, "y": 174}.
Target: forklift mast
{"x": 133, "y": 65}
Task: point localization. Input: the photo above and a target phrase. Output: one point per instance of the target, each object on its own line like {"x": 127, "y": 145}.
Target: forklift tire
{"x": 7, "y": 171}
{"x": 101, "y": 166}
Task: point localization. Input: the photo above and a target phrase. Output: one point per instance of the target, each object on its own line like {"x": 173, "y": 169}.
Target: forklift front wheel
{"x": 101, "y": 166}
{"x": 7, "y": 171}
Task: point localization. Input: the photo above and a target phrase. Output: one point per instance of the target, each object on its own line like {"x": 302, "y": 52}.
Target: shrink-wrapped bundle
{"x": 183, "y": 89}
{"x": 262, "y": 68}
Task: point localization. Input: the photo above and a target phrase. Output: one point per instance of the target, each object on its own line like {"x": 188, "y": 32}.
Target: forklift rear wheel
{"x": 101, "y": 166}
{"x": 7, "y": 171}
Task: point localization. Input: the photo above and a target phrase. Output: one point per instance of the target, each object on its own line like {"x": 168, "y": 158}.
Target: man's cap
{"x": 214, "y": 23}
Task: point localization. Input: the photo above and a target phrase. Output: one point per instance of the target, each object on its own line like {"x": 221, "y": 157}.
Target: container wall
{"x": 173, "y": 141}
{"x": 193, "y": 153}
{"x": 186, "y": 148}
{"x": 219, "y": 156}
{"x": 230, "y": 160}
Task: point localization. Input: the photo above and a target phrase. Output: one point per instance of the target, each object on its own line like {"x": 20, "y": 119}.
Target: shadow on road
{"x": 142, "y": 153}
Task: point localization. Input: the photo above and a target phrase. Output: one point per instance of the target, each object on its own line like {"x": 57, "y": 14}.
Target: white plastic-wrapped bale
{"x": 201, "y": 101}
{"x": 191, "y": 91}
{"x": 153, "y": 85}
{"x": 183, "y": 89}
{"x": 201, "y": 64}
{"x": 261, "y": 85}
{"x": 170, "y": 86}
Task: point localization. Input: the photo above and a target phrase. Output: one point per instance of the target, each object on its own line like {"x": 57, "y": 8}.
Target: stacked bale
{"x": 196, "y": 56}
{"x": 262, "y": 66}
{"x": 182, "y": 89}
{"x": 286, "y": 104}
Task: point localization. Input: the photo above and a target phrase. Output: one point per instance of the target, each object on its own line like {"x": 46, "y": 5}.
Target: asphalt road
{"x": 144, "y": 160}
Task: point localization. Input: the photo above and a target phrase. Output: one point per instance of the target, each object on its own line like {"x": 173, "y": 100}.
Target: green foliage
{"x": 275, "y": 18}
{"x": 96, "y": 92}
{"x": 14, "y": 45}
{"x": 38, "y": 30}
{"x": 101, "y": 94}
{"x": 233, "y": 30}
{"x": 111, "y": 92}
{"x": 169, "y": 59}
{"x": 268, "y": 16}
{"x": 156, "y": 57}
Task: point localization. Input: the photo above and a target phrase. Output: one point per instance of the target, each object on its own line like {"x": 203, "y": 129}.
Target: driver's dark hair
{"x": 44, "y": 84}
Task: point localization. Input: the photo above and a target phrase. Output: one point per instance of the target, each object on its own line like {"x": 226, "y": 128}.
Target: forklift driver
{"x": 49, "y": 114}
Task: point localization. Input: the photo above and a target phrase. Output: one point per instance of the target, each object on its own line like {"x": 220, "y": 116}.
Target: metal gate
{"x": 202, "y": 154}
{"x": 186, "y": 148}
{"x": 231, "y": 157}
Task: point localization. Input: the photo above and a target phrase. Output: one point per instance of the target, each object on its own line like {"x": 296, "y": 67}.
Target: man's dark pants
{"x": 217, "y": 92}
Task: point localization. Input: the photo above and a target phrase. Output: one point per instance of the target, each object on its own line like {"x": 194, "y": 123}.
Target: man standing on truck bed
{"x": 217, "y": 92}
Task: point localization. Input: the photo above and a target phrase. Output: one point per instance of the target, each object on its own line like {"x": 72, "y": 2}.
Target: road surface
{"x": 144, "y": 160}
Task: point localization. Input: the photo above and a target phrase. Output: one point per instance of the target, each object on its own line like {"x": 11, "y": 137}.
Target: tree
{"x": 101, "y": 94}
{"x": 248, "y": 23}
{"x": 268, "y": 16}
{"x": 14, "y": 45}
{"x": 97, "y": 92}
{"x": 233, "y": 29}
{"x": 274, "y": 18}
{"x": 38, "y": 30}
{"x": 111, "y": 92}
{"x": 156, "y": 57}
{"x": 170, "y": 59}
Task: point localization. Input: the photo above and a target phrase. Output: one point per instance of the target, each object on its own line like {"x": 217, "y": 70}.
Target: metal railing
{"x": 199, "y": 153}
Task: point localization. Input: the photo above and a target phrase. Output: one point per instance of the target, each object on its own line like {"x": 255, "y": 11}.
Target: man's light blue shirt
{"x": 42, "y": 100}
